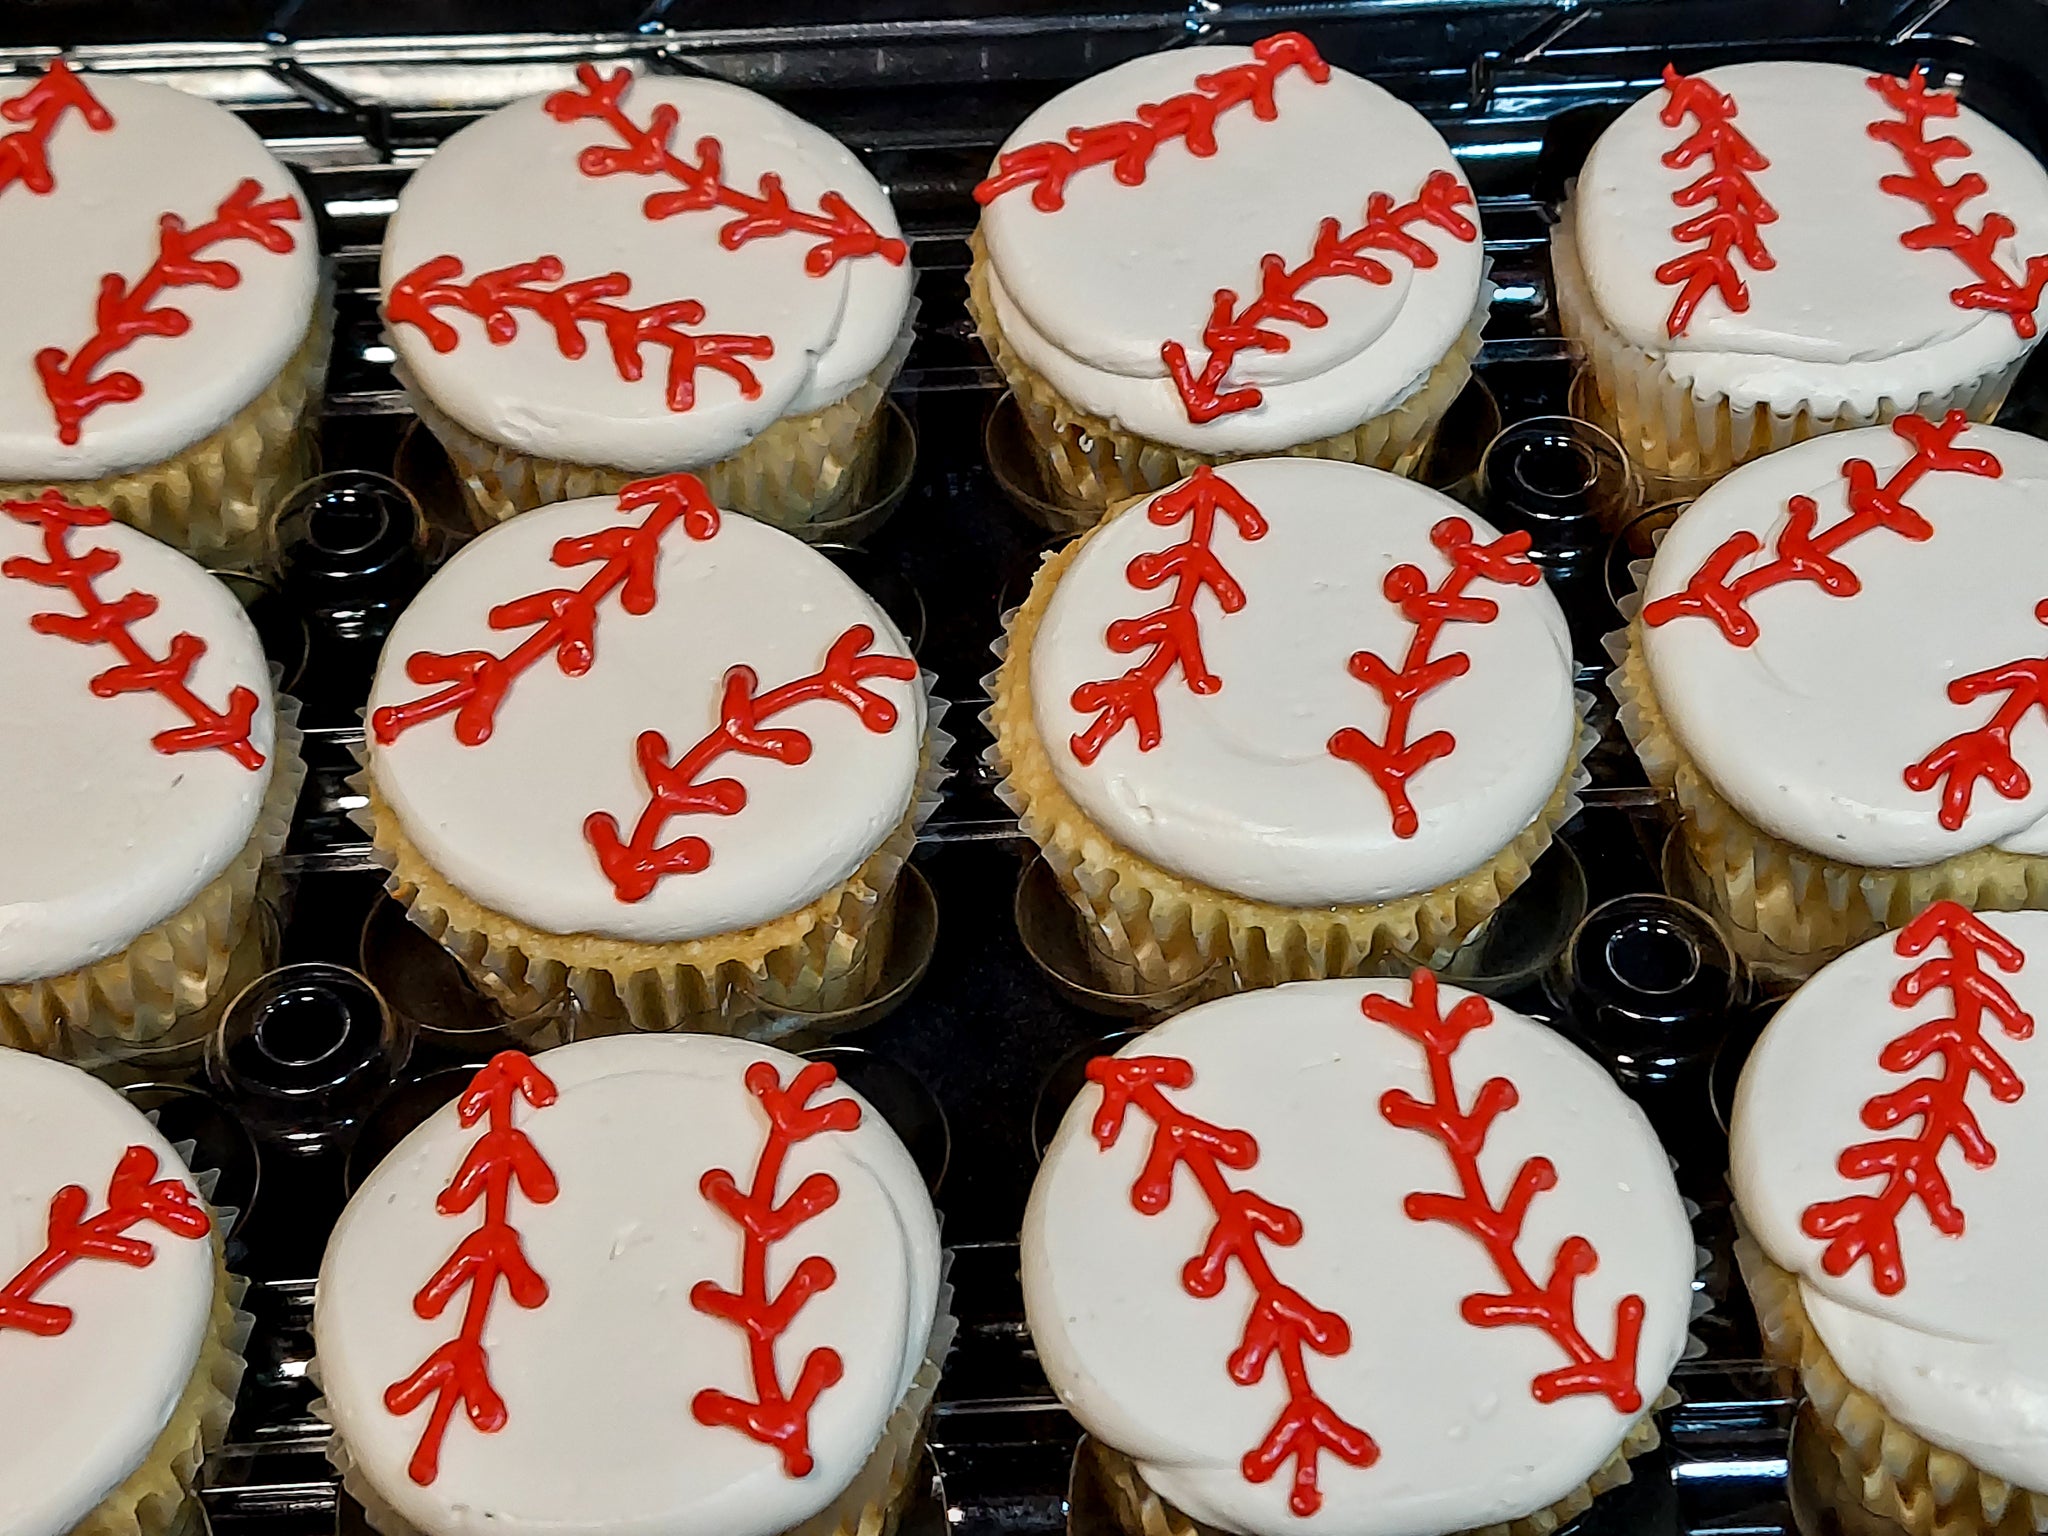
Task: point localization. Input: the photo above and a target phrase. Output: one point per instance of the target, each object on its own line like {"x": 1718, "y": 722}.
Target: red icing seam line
{"x": 1976, "y": 249}
{"x": 1986, "y": 752}
{"x": 843, "y": 233}
{"x": 477, "y": 681}
{"x": 100, "y": 622}
{"x": 1173, "y": 632}
{"x": 1548, "y": 1306}
{"x": 124, "y": 315}
{"x": 1230, "y": 332}
{"x": 1282, "y": 1326}
{"x": 25, "y": 153}
{"x": 1729, "y": 227}
{"x": 637, "y": 864}
{"x": 1866, "y": 1226}
{"x": 774, "y": 1417}
{"x": 1128, "y": 146}
{"x": 502, "y": 1159}
{"x": 134, "y": 1195}
{"x": 1801, "y": 554}
{"x": 1395, "y": 761}
{"x": 567, "y": 308}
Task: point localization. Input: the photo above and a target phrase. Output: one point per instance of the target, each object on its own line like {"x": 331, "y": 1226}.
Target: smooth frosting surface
{"x": 598, "y": 1381}
{"x": 1809, "y": 731}
{"x": 1089, "y": 293}
{"x": 168, "y": 153}
{"x": 1462, "y": 1440}
{"x": 509, "y": 189}
{"x": 80, "y": 1411}
{"x": 106, "y": 836}
{"x": 1846, "y": 312}
{"x": 1242, "y": 792}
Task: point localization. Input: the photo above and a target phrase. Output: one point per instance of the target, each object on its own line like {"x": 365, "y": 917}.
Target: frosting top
{"x": 1246, "y": 788}
{"x": 605, "y": 1377}
{"x": 1910, "y": 1308}
{"x": 1289, "y": 1105}
{"x": 108, "y": 833}
{"x": 1090, "y": 291}
{"x": 81, "y": 1407}
{"x": 241, "y": 268}
{"x": 1840, "y": 309}
{"x": 651, "y": 247}
{"x": 1830, "y": 726}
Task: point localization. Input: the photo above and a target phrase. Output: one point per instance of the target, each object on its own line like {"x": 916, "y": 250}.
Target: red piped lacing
{"x": 775, "y": 1417}
{"x": 502, "y": 1159}
{"x": 1730, "y": 226}
{"x": 1393, "y": 762}
{"x": 100, "y": 622}
{"x": 134, "y": 1195}
{"x": 1230, "y": 332}
{"x": 1128, "y": 146}
{"x": 1977, "y": 249}
{"x": 1282, "y": 1325}
{"x": 25, "y": 153}
{"x": 1867, "y": 1226}
{"x": 637, "y": 864}
{"x": 646, "y": 151}
{"x": 1172, "y": 632}
{"x": 1550, "y": 1305}
{"x": 124, "y": 315}
{"x": 1986, "y": 752}
{"x": 477, "y": 681}
{"x": 1717, "y": 594}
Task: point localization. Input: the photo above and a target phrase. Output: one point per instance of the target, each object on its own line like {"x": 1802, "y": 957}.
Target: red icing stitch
{"x": 775, "y": 1418}
{"x": 124, "y": 315}
{"x": 843, "y": 233}
{"x": 1128, "y": 146}
{"x": 1729, "y": 227}
{"x": 502, "y": 1159}
{"x": 1986, "y": 752}
{"x": 477, "y": 681}
{"x": 636, "y": 865}
{"x": 1525, "y": 1304}
{"x": 1867, "y": 1226}
{"x": 1231, "y": 332}
{"x": 1172, "y": 632}
{"x": 100, "y": 622}
{"x": 1994, "y": 288}
{"x": 567, "y": 308}
{"x": 1395, "y": 761}
{"x": 25, "y": 153}
{"x": 1283, "y": 1325}
{"x": 1804, "y": 555}
{"x": 134, "y": 1195}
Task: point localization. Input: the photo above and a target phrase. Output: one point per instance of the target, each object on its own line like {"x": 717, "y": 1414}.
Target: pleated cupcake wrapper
{"x": 141, "y": 993}
{"x": 818, "y": 958}
{"x": 1095, "y": 463}
{"x": 1673, "y": 433}
{"x": 799, "y": 470}
{"x": 213, "y": 499}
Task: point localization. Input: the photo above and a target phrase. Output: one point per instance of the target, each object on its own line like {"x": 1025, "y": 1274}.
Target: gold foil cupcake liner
{"x": 1096, "y": 464}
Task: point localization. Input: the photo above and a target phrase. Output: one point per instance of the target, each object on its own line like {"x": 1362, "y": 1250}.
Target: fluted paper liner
{"x": 1096, "y": 463}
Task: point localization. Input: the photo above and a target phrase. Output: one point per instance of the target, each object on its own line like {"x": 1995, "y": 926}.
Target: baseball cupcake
{"x": 1763, "y": 252}
{"x": 1173, "y": 268}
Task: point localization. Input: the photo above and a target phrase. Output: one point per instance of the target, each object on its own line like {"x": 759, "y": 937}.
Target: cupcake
{"x": 117, "y": 1317}
{"x": 151, "y": 772}
{"x": 1215, "y": 252}
{"x": 1293, "y": 717}
{"x": 1885, "y": 1158}
{"x": 640, "y": 750}
{"x": 163, "y": 331}
{"x": 1835, "y": 673}
{"x": 549, "y": 1309}
{"x": 638, "y": 275}
{"x": 1329, "y": 1323}
{"x": 1764, "y": 252}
